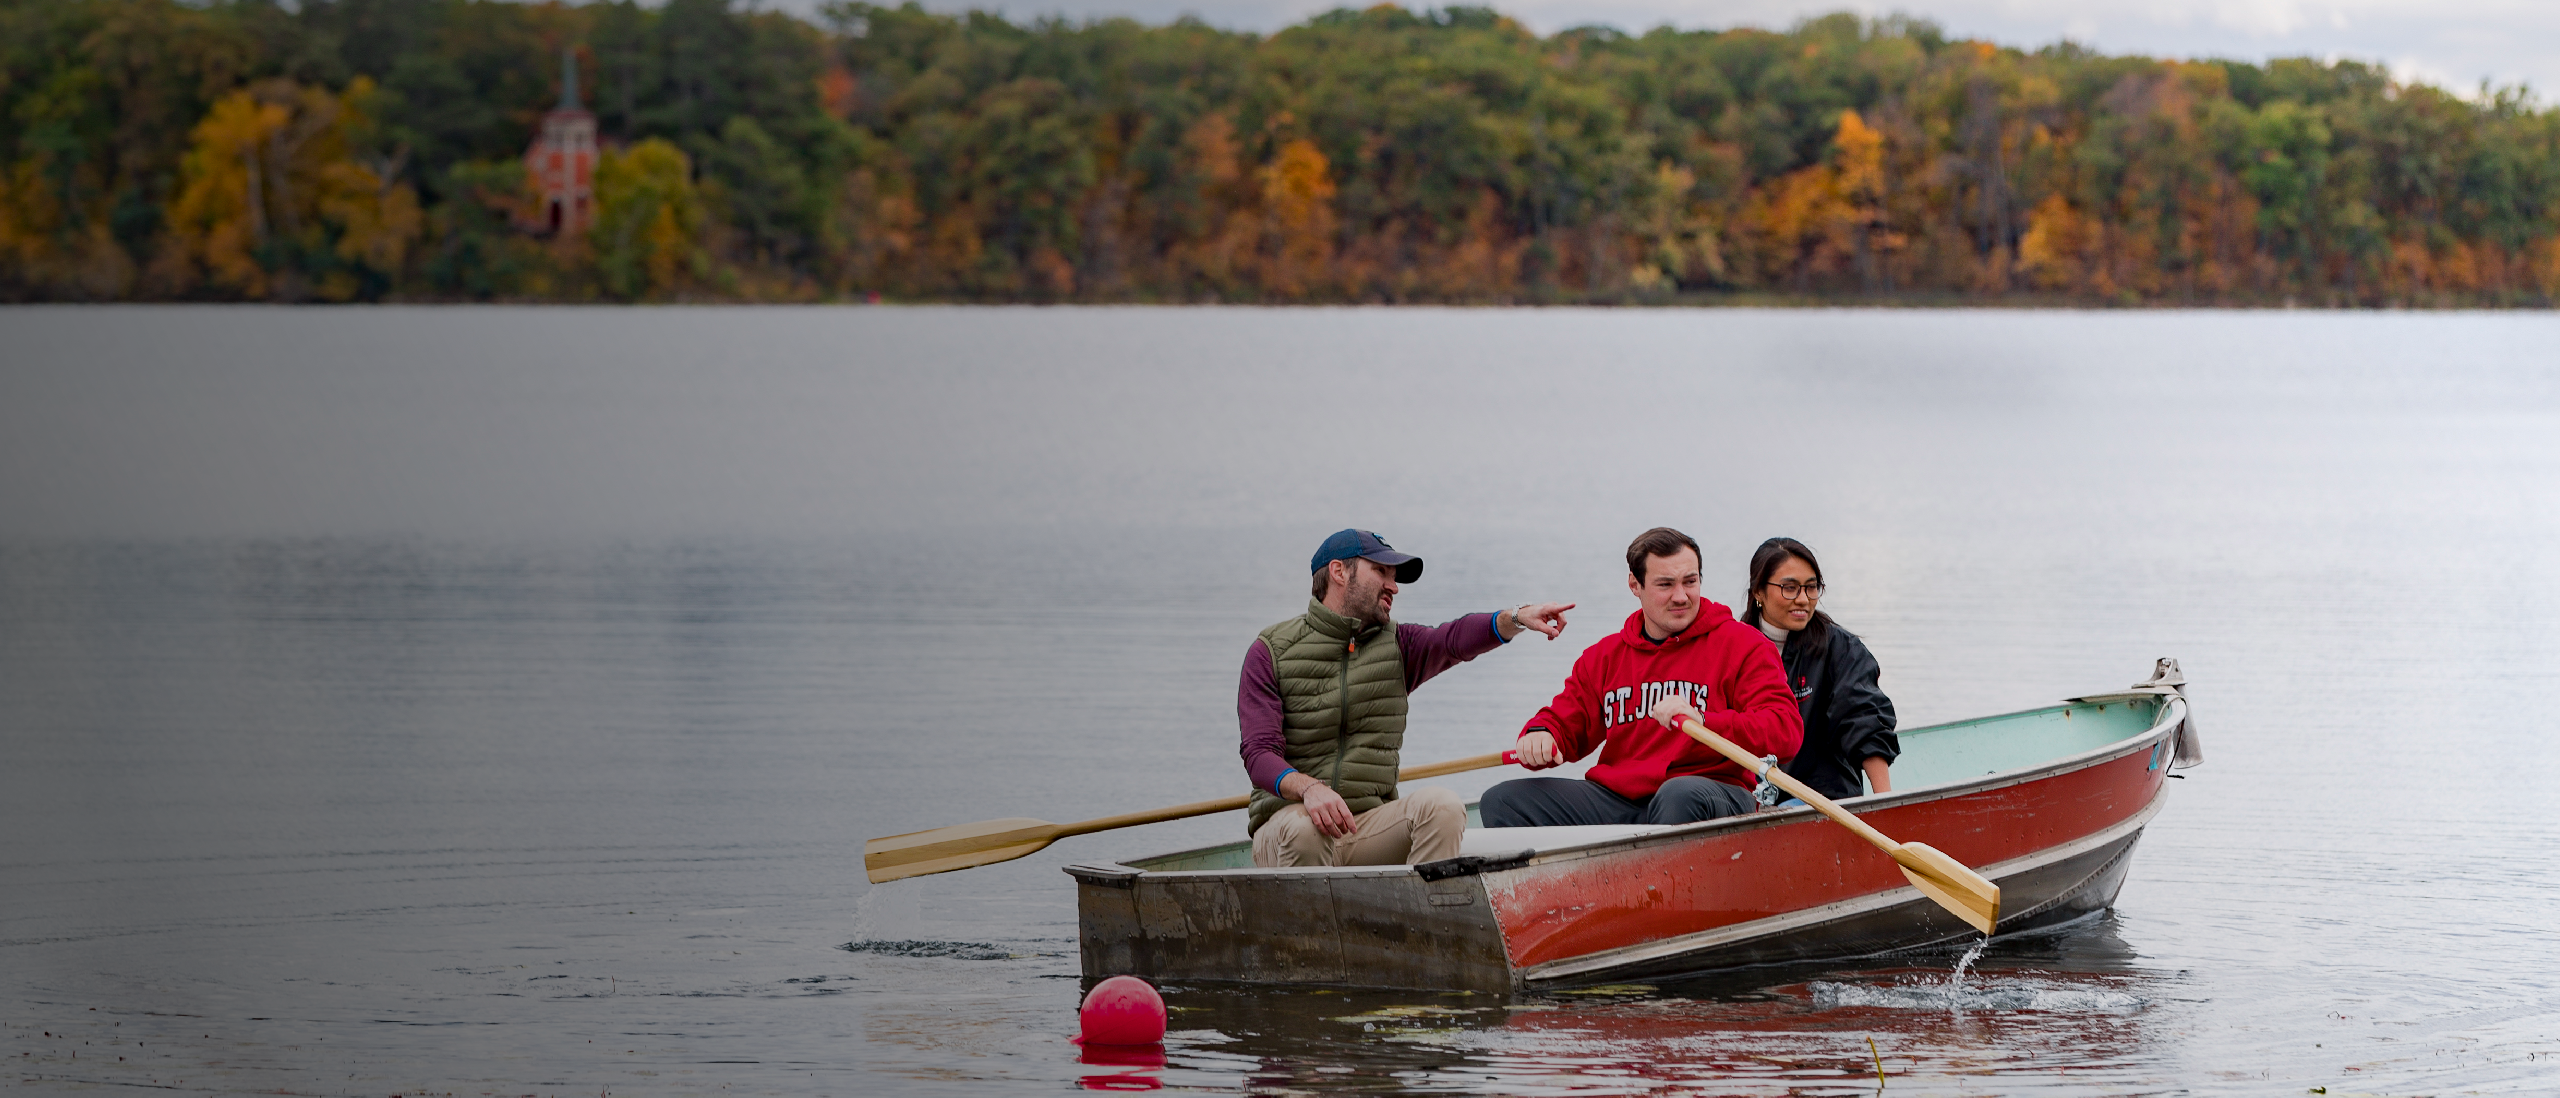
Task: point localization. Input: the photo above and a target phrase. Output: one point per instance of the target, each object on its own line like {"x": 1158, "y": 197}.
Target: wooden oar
{"x": 963, "y": 846}
{"x": 1968, "y": 894}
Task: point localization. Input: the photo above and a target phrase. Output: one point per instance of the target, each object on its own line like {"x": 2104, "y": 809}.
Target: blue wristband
{"x": 1497, "y": 627}
{"x": 1276, "y": 780}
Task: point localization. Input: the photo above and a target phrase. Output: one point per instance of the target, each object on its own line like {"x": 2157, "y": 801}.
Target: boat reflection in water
{"x": 2067, "y": 1010}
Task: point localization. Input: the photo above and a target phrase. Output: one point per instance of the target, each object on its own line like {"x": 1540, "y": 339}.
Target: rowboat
{"x": 2047, "y": 803}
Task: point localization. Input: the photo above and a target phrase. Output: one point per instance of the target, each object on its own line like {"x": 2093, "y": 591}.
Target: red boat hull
{"x": 2043, "y": 840}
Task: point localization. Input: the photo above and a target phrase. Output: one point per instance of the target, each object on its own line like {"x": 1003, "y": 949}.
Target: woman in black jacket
{"x": 1848, "y": 722}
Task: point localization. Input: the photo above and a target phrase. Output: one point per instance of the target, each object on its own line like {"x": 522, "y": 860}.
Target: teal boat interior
{"x": 1936, "y": 755}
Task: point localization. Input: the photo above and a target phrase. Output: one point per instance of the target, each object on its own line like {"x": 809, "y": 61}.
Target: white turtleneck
{"x": 1775, "y": 633}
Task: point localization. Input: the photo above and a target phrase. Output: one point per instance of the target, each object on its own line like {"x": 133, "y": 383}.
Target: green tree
{"x": 2285, "y": 159}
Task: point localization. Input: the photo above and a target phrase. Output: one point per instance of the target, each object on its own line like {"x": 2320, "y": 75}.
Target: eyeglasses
{"x": 1792, "y": 589}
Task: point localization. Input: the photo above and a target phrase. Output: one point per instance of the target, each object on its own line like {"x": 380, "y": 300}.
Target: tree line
{"x": 343, "y": 150}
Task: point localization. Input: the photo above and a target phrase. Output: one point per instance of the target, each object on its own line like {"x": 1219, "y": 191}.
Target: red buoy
{"x": 1123, "y": 1010}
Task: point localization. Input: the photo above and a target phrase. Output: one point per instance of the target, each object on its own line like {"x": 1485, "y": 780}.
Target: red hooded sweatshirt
{"x": 1725, "y": 668}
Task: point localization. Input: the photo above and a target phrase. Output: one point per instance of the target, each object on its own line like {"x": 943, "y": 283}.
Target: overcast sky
{"x": 2454, "y": 43}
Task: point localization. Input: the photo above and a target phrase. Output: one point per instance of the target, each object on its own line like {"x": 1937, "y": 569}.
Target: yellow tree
{"x": 273, "y": 188}
{"x": 1800, "y": 216}
{"x": 2060, "y": 244}
{"x": 1818, "y": 220}
{"x": 1858, "y": 168}
{"x": 377, "y": 219}
{"x": 649, "y": 221}
{"x": 218, "y": 221}
{"x": 1297, "y": 203}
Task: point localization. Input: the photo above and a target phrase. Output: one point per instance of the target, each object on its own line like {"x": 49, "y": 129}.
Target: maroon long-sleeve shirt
{"x": 1428, "y": 650}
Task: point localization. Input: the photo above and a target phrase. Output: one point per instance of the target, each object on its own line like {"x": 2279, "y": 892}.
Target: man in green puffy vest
{"x": 1322, "y": 707}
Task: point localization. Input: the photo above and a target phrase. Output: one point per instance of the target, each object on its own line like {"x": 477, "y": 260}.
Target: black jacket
{"x": 1847, "y": 718}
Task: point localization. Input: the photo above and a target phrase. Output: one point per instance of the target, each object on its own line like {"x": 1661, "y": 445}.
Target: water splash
{"x": 1955, "y": 983}
{"x": 2006, "y": 994}
{"x": 1922, "y": 992}
{"x": 889, "y": 913}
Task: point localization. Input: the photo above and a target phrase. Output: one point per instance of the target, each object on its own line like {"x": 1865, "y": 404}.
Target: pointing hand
{"x": 1545, "y": 617}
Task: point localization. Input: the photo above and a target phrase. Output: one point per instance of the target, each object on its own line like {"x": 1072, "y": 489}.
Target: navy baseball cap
{"x": 1366, "y": 545}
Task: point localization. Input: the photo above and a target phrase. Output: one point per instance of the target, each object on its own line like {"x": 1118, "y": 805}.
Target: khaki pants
{"x": 1422, "y": 825}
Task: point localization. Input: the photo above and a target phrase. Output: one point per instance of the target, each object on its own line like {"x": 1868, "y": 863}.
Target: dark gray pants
{"x": 1566, "y": 802}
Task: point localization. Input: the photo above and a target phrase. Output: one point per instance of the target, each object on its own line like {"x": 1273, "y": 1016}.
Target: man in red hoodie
{"x": 1678, "y": 656}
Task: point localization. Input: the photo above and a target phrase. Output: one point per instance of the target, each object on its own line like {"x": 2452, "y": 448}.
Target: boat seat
{"x": 1503, "y": 840}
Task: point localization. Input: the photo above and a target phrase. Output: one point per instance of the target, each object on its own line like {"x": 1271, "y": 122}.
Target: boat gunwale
{"x": 1874, "y": 802}
{"x": 2171, "y": 712}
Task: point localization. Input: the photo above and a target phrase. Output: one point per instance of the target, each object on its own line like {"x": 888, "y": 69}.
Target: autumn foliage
{"x": 274, "y": 173}
{"x": 369, "y": 150}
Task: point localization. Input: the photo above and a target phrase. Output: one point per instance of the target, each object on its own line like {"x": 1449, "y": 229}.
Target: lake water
{"x": 490, "y": 701}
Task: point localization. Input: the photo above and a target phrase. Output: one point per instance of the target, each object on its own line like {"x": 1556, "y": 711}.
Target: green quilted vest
{"x": 1342, "y": 702}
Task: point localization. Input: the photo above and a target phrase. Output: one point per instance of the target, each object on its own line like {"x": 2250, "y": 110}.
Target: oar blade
{"x": 970, "y": 860}
{"x": 960, "y": 846}
{"x": 1956, "y": 887}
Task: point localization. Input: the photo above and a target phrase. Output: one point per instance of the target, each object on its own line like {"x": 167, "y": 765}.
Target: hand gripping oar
{"x": 1939, "y": 877}
{"x": 964, "y": 846}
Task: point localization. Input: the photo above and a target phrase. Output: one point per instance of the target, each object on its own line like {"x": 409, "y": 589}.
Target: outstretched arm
{"x": 1432, "y": 649}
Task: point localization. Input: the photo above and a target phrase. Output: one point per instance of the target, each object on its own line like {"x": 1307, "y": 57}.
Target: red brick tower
{"x": 562, "y": 161}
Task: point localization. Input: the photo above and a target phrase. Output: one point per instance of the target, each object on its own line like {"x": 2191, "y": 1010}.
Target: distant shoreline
{"x": 1698, "y": 302}
{"x": 484, "y": 150}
